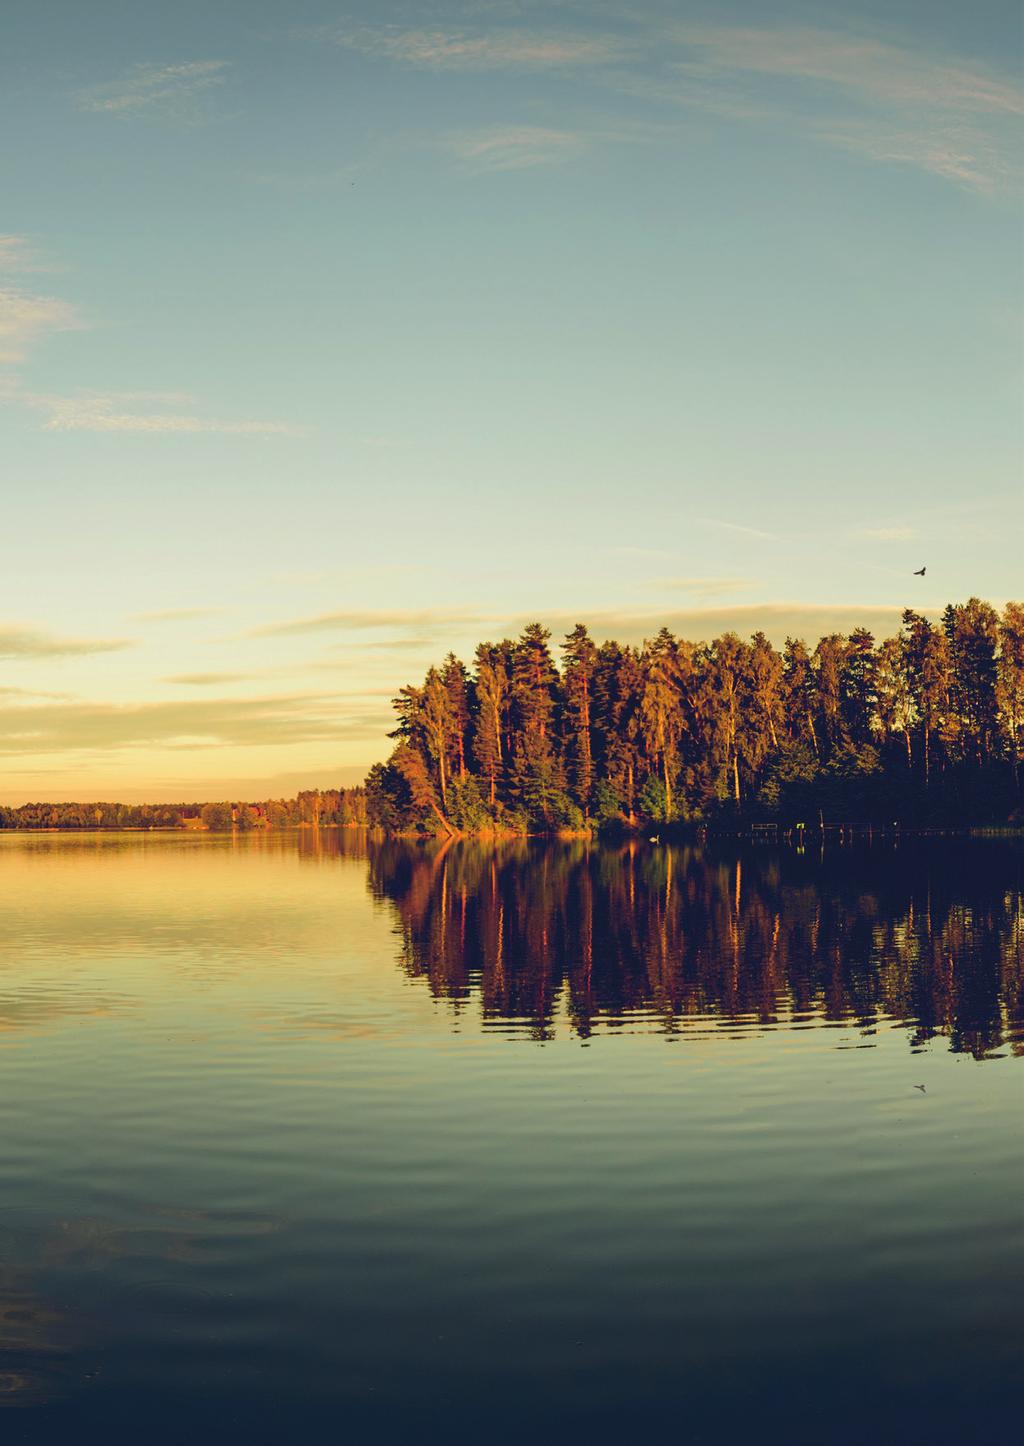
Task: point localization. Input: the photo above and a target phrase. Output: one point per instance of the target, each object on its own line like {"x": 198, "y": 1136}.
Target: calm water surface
{"x": 310, "y": 1138}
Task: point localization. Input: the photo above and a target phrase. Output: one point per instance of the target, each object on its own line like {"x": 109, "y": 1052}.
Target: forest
{"x": 343, "y": 807}
{"x": 923, "y": 729}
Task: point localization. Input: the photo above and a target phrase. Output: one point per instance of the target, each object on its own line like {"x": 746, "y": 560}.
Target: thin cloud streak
{"x": 17, "y": 253}
{"x": 25, "y": 318}
{"x": 21, "y": 643}
{"x": 943, "y": 116}
{"x": 866, "y": 67}
{"x": 147, "y": 87}
{"x": 499, "y": 50}
{"x": 738, "y": 527}
{"x": 32, "y": 693}
{"x": 176, "y": 615}
{"x": 962, "y": 154}
{"x": 210, "y": 680}
{"x": 702, "y": 586}
{"x": 515, "y": 148}
{"x": 99, "y": 413}
{"x": 357, "y": 619}
{"x": 887, "y": 534}
{"x": 79, "y": 727}
{"x": 938, "y": 116}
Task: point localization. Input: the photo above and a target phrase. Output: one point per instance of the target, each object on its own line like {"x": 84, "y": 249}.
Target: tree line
{"x": 343, "y": 807}
{"x": 925, "y": 727}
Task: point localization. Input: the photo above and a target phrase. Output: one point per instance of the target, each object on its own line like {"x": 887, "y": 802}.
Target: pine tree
{"x": 1010, "y": 685}
{"x": 972, "y": 632}
{"x": 456, "y": 685}
{"x": 661, "y": 713}
{"x": 798, "y": 693}
{"x": 437, "y": 727}
{"x": 580, "y": 662}
{"x": 857, "y": 686}
{"x": 492, "y": 696}
{"x": 926, "y": 660}
{"x": 766, "y": 669}
{"x": 618, "y": 685}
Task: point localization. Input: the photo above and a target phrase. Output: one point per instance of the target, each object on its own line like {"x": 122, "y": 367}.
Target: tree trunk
{"x": 443, "y": 821}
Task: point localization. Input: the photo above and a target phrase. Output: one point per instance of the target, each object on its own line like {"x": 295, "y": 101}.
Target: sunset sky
{"x": 334, "y": 336}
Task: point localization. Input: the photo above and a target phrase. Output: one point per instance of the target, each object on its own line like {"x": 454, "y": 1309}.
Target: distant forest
{"x": 341, "y": 806}
{"x": 923, "y": 729}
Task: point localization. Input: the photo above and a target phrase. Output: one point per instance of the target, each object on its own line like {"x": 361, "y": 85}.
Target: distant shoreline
{"x": 674, "y": 834}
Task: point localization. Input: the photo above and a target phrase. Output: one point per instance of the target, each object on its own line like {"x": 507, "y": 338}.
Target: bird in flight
{"x": 920, "y": 572}
{"x": 921, "y": 1088}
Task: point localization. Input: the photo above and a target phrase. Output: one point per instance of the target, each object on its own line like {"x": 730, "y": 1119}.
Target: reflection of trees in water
{"x": 929, "y": 934}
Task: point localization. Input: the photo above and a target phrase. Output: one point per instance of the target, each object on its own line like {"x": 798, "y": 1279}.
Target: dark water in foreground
{"x": 313, "y": 1139}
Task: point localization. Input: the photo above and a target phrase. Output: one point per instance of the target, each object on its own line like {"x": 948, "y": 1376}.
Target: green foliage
{"x": 651, "y": 799}
{"x": 513, "y": 820}
{"x": 787, "y": 792}
{"x": 467, "y": 810}
{"x": 607, "y": 804}
{"x": 216, "y": 816}
{"x": 388, "y": 803}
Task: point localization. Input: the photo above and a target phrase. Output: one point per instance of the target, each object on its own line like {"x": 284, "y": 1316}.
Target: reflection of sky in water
{"x": 278, "y": 1145}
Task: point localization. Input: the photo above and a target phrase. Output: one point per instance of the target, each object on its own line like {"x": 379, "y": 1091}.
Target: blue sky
{"x": 337, "y": 335}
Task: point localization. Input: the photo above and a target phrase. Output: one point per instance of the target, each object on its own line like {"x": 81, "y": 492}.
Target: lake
{"x": 312, "y": 1138}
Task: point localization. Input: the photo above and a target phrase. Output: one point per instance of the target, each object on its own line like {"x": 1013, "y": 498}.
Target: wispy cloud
{"x": 17, "y": 253}
{"x": 515, "y": 148}
{"x": 22, "y": 642}
{"x": 889, "y": 102}
{"x": 702, "y": 587}
{"x": 903, "y": 107}
{"x": 863, "y": 66}
{"x": 887, "y": 534}
{"x": 395, "y": 645}
{"x": 141, "y": 412}
{"x": 210, "y": 680}
{"x": 357, "y": 619}
{"x": 25, "y": 317}
{"x": 504, "y": 49}
{"x": 739, "y": 528}
{"x": 176, "y": 615}
{"x": 32, "y": 693}
{"x": 962, "y": 154}
{"x": 195, "y": 723}
{"x": 147, "y": 87}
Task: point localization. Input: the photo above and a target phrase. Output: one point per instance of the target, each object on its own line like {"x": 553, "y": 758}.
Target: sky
{"x": 334, "y": 336}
